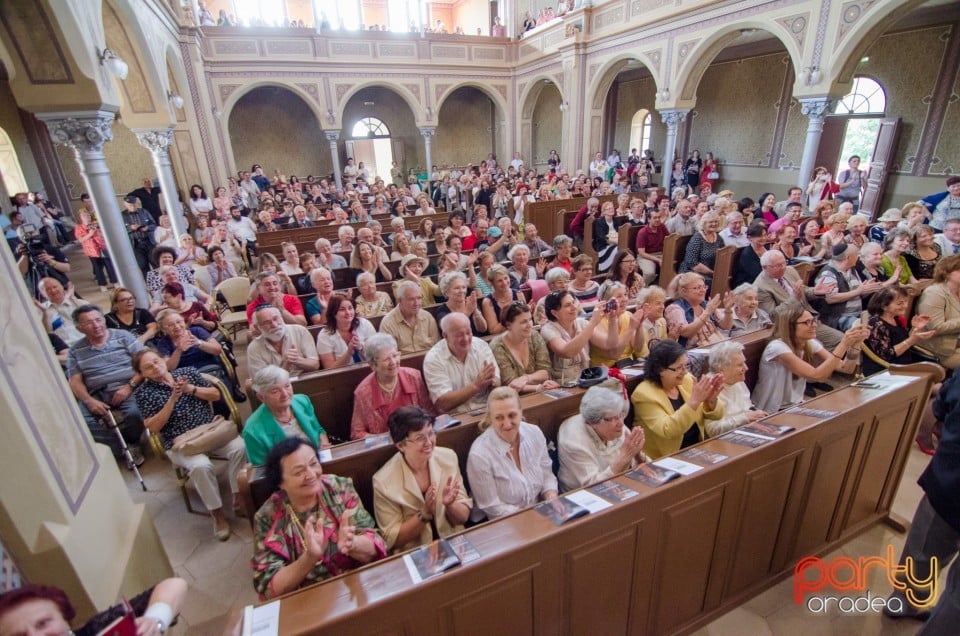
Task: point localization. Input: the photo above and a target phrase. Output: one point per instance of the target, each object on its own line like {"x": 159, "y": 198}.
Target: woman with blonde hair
{"x": 941, "y": 301}
{"x": 836, "y": 232}
{"x": 509, "y": 468}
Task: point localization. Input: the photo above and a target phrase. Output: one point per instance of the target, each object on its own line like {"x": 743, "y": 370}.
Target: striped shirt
{"x": 106, "y": 367}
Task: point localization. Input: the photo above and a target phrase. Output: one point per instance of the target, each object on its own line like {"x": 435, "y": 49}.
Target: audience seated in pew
{"x": 508, "y": 466}
{"x": 795, "y": 356}
{"x": 670, "y": 405}
{"x": 411, "y": 269}
{"x": 619, "y": 335}
{"x": 843, "y": 305}
{"x": 693, "y": 320}
{"x": 453, "y": 286}
{"x": 315, "y": 309}
{"x": 413, "y": 328}
{"x": 941, "y": 301}
{"x": 340, "y": 342}
{"x": 268, "y": 291}
{"x": 459, "y": 369}
{"x": 747, "y": 315}
{"x": 418, "y": 494}
{"x": 288, "y": 346}
{"x": 503, "y": 294}
{"x": 386, "y": 389}
{"x": 281, "y": 414}
{"x": 521, "y": 353}
{"x": 727, "y": 361}
{"x": 313, "y": 527}
{"x": 568, "y": 336}
{"x": 596, "y": 445}
{"x": 652, "y": 301}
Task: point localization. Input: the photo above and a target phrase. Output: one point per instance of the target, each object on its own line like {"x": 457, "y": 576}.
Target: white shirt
{"x": 517, "y": 164}
{"x": 289, "y": 269}
{"x": 333, "y": 343}
{"x": 736, "y": 402}
{"x": 677, "y": 225}
{"x": 60, "y": 318}
{"x": 740, "y": 240}
{"x": 261, "y": 353}
{"x": 499, "y": 487}
{"x": 585, "y": 458}
{"x": 444, "y": 373}
{"x": 777, "y": 388}
{"x": 946, "y": 247}
{"x": 243, "y": 228}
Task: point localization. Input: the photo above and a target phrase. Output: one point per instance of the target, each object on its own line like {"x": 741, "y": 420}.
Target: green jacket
{"x": 262, "y": 431}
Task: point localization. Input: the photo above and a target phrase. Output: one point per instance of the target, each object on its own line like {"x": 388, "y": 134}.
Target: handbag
{"x": 206, "y": 437}
{"x": 592, "y": 376}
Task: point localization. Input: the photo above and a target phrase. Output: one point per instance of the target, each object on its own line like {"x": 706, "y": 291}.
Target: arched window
{"x": 370, "y": 127}
{"x": 866, "y": 98}
{"x": 12, "y": 174}
{"x": 261, "y": 12}
{"x": 640, "y": 128}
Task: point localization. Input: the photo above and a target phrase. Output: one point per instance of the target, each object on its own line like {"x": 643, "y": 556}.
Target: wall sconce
{"x": 175, "y": 99}
{"x": 564, "y": 106}
{"x": 811, "y": 75}
{"x": 113, "y": 63}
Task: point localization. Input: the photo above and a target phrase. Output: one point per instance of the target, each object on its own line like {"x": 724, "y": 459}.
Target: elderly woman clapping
{"x": 727, "y": 360}
{"x": 596, "y": 444}
{"x": 692, "y": 320}
{"x": 747, "y": 315}
{"x": 389, "y": 387}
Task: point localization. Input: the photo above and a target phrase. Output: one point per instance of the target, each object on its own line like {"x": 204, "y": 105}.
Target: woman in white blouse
{"x": 727, "y": 359}
{"x": 508, "y": 467}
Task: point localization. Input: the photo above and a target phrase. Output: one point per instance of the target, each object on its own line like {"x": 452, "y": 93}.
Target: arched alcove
{"x": 631, "y": 88}
{"x": 274, "y": 127}
{"x": 10, "y": 170}
{"x": 546, "y": 127}
{"x": 391, "y": 109}
{"x": 468, "y": 128}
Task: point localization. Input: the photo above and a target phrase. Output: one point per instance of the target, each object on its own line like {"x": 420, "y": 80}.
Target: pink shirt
{"x": 372, "y": 407}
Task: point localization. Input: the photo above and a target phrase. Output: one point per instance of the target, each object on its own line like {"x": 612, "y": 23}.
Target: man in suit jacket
{"x": 778, "y": 283}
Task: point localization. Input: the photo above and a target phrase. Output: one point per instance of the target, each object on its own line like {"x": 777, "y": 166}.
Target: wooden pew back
{"x": 674, "y": 249}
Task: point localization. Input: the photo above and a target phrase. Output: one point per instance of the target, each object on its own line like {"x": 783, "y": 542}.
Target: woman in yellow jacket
{"x": 670, "y": 405}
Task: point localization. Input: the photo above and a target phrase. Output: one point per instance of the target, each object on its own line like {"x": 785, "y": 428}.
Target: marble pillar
{"x": 157, "y": 141}
{"x": 672, "y": 118}
{"x": 815, "y": 108}
{"x": 428, "y": 132}
{"x": 66, "y": 515}
{"x": 86, "y": 132}
{"x": 332, "y": 137}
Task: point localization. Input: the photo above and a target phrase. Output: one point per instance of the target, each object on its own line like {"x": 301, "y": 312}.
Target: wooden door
{"x": 831, "y": 143}
{"x": 880, "y": 162}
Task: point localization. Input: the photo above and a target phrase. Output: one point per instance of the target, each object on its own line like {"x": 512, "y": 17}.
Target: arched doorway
{"x": 10, "y": 170}
{"x": 627, "y": 112}
{"x": 860, "y": 112}
{"x": 391, "y": 116}
{"x": 371, "y": 146}
{"x": 469, "y": 129}
{"x": 546, "y": 125}
{"x": 640, "y": 130}
{"x": 274, "y": 127}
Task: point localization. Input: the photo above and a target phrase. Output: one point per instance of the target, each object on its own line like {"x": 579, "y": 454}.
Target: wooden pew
{"x": 667, "y": 561}
{"x": 271, "y": 241}
{"x": 627, "y": 237}
{"x": 674, "y": 249}
{"x": 723, "y": 269}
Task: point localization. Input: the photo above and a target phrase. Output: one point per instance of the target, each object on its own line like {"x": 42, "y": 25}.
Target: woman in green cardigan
{"x": 281, "y": 414}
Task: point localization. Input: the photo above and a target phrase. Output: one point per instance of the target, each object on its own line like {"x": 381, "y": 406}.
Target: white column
{"x": 672, "y": 118}
{"x": 428, "y": 132}
{"x": 332, "y": 137}
{"x": 815, "y": 108}
{"x": 157, "y": 141}
{"x": 86, "y": 133}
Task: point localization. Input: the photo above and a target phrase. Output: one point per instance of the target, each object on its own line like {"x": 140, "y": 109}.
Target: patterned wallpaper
{"x": 906, "y": 65}
{"x": 464, "y": 133}
{"x": 395, "y": 113}
{"x": 633, "y": 96}
{"x": 275, "y": 128}
{"x": 946, "y": 157}
{"x": 736, "y": 111}
{"x": 128, "y": 161}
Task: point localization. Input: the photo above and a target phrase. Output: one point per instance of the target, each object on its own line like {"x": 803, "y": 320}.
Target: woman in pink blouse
{"x": 389, "y": 387}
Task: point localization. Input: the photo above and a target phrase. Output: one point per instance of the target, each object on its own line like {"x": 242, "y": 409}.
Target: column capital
{"x": 155, "y": 139}
{"x": 815, "y": 107}
{"x": 428, "y": 131}
{"x": 332, "y": 135}
{"x": 83, "y": 131}
{"x": 674, "y": 116}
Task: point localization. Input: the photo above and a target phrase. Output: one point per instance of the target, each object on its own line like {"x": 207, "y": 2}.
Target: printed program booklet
{"x": 561, "y": 510}
{"x": 612, "y": 491}
{"x": 702, "y": 455}
{"x": 430, "y": 560}
{"x": 652, "y": 475}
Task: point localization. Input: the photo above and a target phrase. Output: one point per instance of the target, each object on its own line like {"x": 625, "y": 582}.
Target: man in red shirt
{"x": 590, "y": 210}
{"x": 650, "y": 246}
{"x": 269, "y": 292}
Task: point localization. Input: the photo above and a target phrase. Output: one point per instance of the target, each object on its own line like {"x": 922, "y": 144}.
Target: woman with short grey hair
{"x": 453, "y": 285}
{"x": 596, "y": 444}
{"x": 386, "y": 389}
{"x": 747, "y": 315}
{"x": 727, "y": 360}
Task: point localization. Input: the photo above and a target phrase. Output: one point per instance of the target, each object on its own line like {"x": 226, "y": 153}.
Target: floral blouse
{"x": 884, "y": 337}
{"x": 278, "y": 540}
{"x": 377, "y": 307}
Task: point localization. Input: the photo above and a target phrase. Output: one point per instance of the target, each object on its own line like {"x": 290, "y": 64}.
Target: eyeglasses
{"x": 423, "y": 438}
{"x": 125, "y": 299}
{"x": 678, "y": 368}
{"x": 807, "y": 323}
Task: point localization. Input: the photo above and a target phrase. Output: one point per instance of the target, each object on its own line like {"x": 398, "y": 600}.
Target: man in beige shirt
{"x": 288, "y": 346}
{"x": 413, "y": 328}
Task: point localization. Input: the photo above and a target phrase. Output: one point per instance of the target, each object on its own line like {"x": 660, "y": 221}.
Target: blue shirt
{"x": 106, "y": 367}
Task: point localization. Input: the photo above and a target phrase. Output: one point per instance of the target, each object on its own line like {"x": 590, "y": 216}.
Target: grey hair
{"x": 259, "y": 310}
{"x": 560, "y": 240}
{"x": 374, "y": 223}
{"x": 517, "y": 247}
{"x": 264, "y": 275}
{"x": 377, "y": 344}
{"x": 608, "y": 287}
{"x": 721, "y": 354}
{"x": 733, "y": 216}
{"x": 403, "y": 287}
{"x": 321, "y": 241}
{"x": 647, "y": 292}
{"x": 317, "y": 273}
{"x": 743, "y": 288}
{"x": 870, "y": 245}
{"x": 166, "y": 313}
{"x": 446, "y": 321}
{"x": 893, "y": 235}
{"x": 448, "y": 279}
{"x": 684, "y": 279}
{"x": 769, "y": 256}
{"x": 397, "y": 221}
{"x": 345, "y": 228}
{"x": 593, "y": 201}
{"x": 165, "y": 268}
{"x": 599, "y": 402}
{"x": 554, "y": 274}
{"x": 269, "y": 377}
{"x": 709, "y": 217}
{"x": 362, "y": 275}
{"x": 676, "y": 191}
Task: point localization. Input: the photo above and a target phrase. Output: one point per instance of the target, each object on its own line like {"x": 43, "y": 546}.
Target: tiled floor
{"x": 221, "y": 583}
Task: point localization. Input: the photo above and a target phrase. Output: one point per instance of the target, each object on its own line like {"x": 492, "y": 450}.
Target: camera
{"x": 612, "y": 305}
{"x": 35, "y": 246}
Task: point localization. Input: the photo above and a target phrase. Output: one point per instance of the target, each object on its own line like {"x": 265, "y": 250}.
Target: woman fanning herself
{"x": 508, "y": 466}
{"x": 313, "y": 527}
{"x": 418, "y": 495}
{"x": 795, "y": 356}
